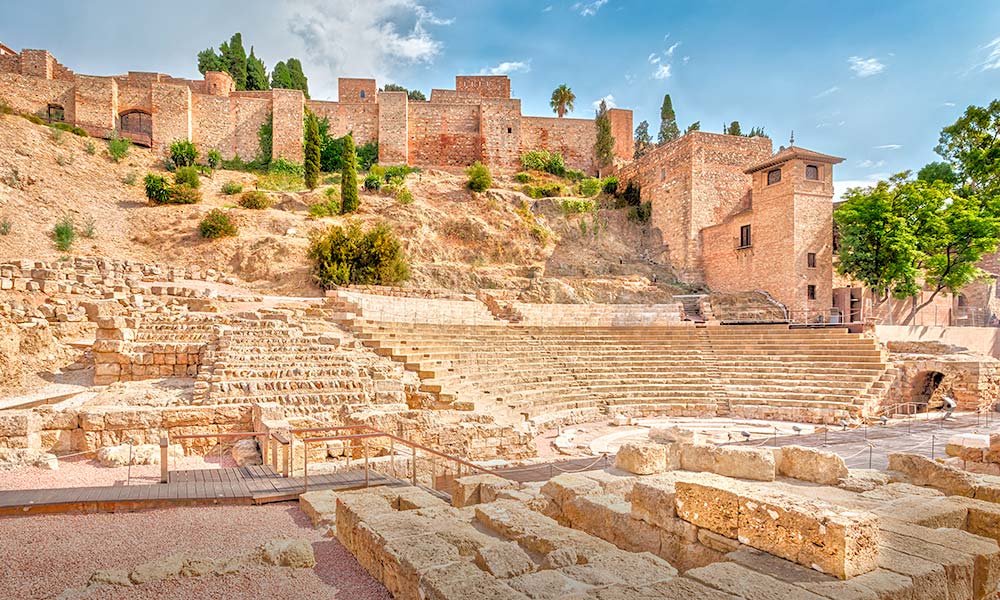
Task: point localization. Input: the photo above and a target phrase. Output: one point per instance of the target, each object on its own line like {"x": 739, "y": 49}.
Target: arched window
{"x": 56, "y": 112}
{"x": 137, "y": 121}
{"x": 812, "y": 172}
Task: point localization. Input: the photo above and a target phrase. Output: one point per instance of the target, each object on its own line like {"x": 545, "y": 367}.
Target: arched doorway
{"x": 925, "y": 383}
{"x": 136, "y": 125}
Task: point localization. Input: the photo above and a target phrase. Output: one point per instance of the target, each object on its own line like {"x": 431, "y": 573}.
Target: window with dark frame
{"x": 137, "y": 121}
{"x": 362, "y": 93}
{"x": 773, "y": 176}
{"x": 745, "y": 239}
{"x": 55, "y": 112}
{"x": 510, "y": 130}
{"x": 812, "y": 172}
{"x": 811, "y": 291}
{"x": 811, "y": 260}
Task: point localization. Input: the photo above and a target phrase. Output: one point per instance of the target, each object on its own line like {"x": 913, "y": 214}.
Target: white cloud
{"x": 993, "y": 58}
{"x": 685, "y": 60}
{"x": 888, "y": 147}
{"x": 871, "y": 164}
{"x": 662, "y": 72}
{"x": 825, "y": 124}
{"x": 949, "y": 104}
{"x": 547, "y": 8}
{"x": 827, "y": 91}
{"x": 346, "y": 38}
{"x": 609, "y": 100}
{"x": 839, "y": 187}
{"x": 865, "y": 67}
{"x": 670, "y": 50}
{"x": 589, "y": 9}
{"x": 506, "y": 68}
{"x": 653, "y": 58}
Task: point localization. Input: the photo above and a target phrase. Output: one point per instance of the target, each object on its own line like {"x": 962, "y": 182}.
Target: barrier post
{"x": 305, "y": 465}
{"x": 164, "y": 457}
{"x": 364, "y": 450}
{"x": 413, "y": 468}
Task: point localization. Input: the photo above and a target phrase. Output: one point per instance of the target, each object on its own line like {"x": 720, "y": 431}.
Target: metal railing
{"x": 166, "y": 439}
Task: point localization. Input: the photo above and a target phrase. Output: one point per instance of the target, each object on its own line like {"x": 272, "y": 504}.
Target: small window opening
{"x": 745, "y": 239}
{"x": 510, "y": 130}
{"x": 811, "y": 291}
{"x": 362, "y": 93}
{"x": 811, "y": 260}
{"x": 56, "y": 112}
{"x": 812, "y": 172}
{"x": 663, "y": 174}
{"x": 962, "y": 301}
{"x": 773, "y": 176}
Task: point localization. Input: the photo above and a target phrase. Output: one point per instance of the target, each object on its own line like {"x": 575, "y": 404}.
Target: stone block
{"x": 563, "y": 488}
{"x": 929, "y": 579}
{"x": 736, "y": 579}
{"x": 503, "y": 560}
{"x": 19, "y": 423}
{"x": 810, "y": 464}
{"x": 711, "y": 503}
{"x": 928, "y": 512}
{"x": 666, "y": 434}
{"x": 464, "y": 580}
{"x": 922, "y": 471}
{"x": 643, "y": 458}
{"x": 320, "y": 507}
{"x": 983, "y": 518}
{"x": 731, "y": 461}
{"x": 549, "y": 585}
{"x": 653, "y": 501}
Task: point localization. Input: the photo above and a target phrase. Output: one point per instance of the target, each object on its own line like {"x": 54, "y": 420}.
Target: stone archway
{"x": 925, "y": 383}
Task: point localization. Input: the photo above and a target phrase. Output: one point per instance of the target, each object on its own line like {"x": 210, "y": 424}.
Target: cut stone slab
{"x": 731, "y": 461}
{"x": 929, "y": 579}
{"x": 549, "y": 585}
{"x": 653, "y": 500}
{"x": 645, "y": 458}
{"x": 463, "y": 580}
{"x": 928, "y": 512}
{"x": 810, "y": 464}
{"x": 320, "y": 507}
{"x": 503, "y": 560}
{"x": 920, "y": 470}
{"x": 746, "y": 583}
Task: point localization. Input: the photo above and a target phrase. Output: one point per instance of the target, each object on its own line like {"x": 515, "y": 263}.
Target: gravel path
{"x": 46, "y": 554}
{"x": 80, "y": 471}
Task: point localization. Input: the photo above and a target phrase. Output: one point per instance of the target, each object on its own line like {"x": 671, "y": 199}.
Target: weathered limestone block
{"x": 968, "y": 446}
{"x": 645, "y": 458}
{"x": 534, "y": 531}
{"x": 731, "y": 461}
{"x": 563, "y": 488}
{"x": 666, "y": 434}
{"x": 709, "y": 502}
{"x": 614, "y": 482}
{"x": 864, "y": 480}
{"x": 640, "y": 568}
{"x": 736, "y": 579}
{"x": 475, "y": 489}
{"x": 352, "y": 509}
{"x": 320, "y": 507}
{"x": 247, "y": 453}
{"x": 466, "y": 581}
{"x": 133, "y": 419}
{"x": 949, "y": 511}
{"x": 919, "y": 470}
{"x": 57, "y": 419}
{"x": 503, "y": 560}
{"x": 19, "y": 423}
{"x": 186, "y": 417}
{"x": 609, "y": 518}
{"x": 550, "y": 584}
{"x": 959, "y": 567}
{"x": 810, "y": 464}
{"x": 142, "y": 454}
{"x": 929, "y": 579}
{"x": 411, "y": 498}
{"x": 653, "y": 501}
{"x": 982, "y": 518}
{"x": 295, "y": 553}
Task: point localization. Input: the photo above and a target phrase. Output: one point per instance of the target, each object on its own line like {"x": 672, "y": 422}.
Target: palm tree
{"x": 562, "y": 100}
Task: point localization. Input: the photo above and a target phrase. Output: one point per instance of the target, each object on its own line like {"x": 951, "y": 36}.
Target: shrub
{"x": 589, "y": 187}
{"x": 57, "y": 135}
{"x": 118, "y": 147}
{"x": 312, "y": 151}
{"x": 255, "y": 200}
{"x": 5, "y": 226}
{"x": 575, "y": 176}
{"x": 64, "y": 233}
{"x": 216, "y": 224}
{"x": 400, "y": 171}
{"x": 610, "y": 185}
{"x": 187, "y": 176}
{"x": 157, "y": 190}
{"x": 34, "y": 119}
{"x": 349, "y": 178}
{"x": 285, "y": 166}
{"x": 378, "y": 171}
{"x": 367, "y": 155}
{"x": 577, "y": 206}
{"x": 328, "y": 207}
{"x": 130, "y": 178}
{"x": 522, "y": 177}
{"x": 70, "y": 128}
{"x": 480, "y": 178}
{"x": 231, "y": 188}
{"x": 183, "y": 153}
{"x": 64, "y": 159}
{"x": 373, "y": 182}
{"x": 5, "y": 108}
{"x": 214, "y": 159}
{"x": 90, "y": 228}
{"x": 281, "y": 181}
{"x": 404, "y": 196}
{"x": 640, "y": 213}
{"x": 632, "y": 196}
{"x": 91, "y": 148}
{"x": 349, "y": 255}
{"x": 183, "y": 194}
{"x": 543, "y": 160}
{"x": 545, "y": 190}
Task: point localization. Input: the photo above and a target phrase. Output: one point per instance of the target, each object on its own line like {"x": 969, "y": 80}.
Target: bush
{"x": 214, "y": 159}
{"x": 130, "y": 178}
{"x": 118, "y": 147}
{"x": 157, "y": 189}
{"x": 281, "y": 182}
{"x": 545, "y": 190}
{"x": 187, "y": 176}
{"x": 632, "y": 196}
{"x": 254, "y": 200}
{"x": 610, "y": 185}
{"x": 404, "y": 196}
{"x": 64, "y": 159}
{"x": 640, "y": 213}
{"x": 64, "y": 233}
{"x": 57, "y": 136}
{"x": 367, "y": 155}
{"x": 341, "y": 256}
{"x": 373, "y": 182}
{"x": 543, "y": 160}
{"x": 34, "y": 119}
{"x": 90, "y": 228}
{"x": 70, "y": 128}
{"x": 5, "y": 227}
{"x": 480, "y": 178}
{"x": 5, "y": 108}
{"x": 216, "y": 224}
{"x": 91, "y": 148}
{"x": 287, "y": 167}
{"x": 183, "y": 153}
{"x": 231, "y": 188}
{"x": 575, "y": 176}
{"x": 589, "y": 187}
{"x": 576, "y": 207}
{"x": 183, "y": 194}
{"x": 400, "y": 171}
{"x": 327, "y": 208}
{"x": 522, "y": 177}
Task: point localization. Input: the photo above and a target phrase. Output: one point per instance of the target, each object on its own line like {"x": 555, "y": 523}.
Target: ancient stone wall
{"x": 500, "y": 124}
{"x": 361, "y": 120}
{"x": 621, "y": 130}
{"x": 573, "y": 138}
{"x": 438, "y": 134}
{"x": 393, "y": 128}
{"x": 483, "y": 86}
{"x": 171, "y": 115}
{"x": 357, "y": 91}
{"x": 288, "y": 111}
{"x": 96, "y": 101}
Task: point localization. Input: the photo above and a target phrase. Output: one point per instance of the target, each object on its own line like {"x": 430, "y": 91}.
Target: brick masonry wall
{"x": 393, "y": 128}
{"x": 134, "y": 98}
{"x": 573, "y": 138}
{"x": 288, "y": 108}
{"x": 349, "y": 91}
{"x": 500, "y": 126}
{"x": 361, "y": 120}
{"x": 621, "y": 129}
{"x": 484, "y": 86}
{"x": 96, "y": 101}
{"x": 444, "y": 134}
{"x": 32, "y": 95}
{"x": 454, "y": 97}
{"x": 171, "y": 115}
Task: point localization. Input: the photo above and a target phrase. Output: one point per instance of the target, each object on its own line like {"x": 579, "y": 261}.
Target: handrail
{"x": 165, "y": 446}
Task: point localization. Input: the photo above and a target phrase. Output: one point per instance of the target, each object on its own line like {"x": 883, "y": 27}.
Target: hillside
{"x": 453, "y": 238}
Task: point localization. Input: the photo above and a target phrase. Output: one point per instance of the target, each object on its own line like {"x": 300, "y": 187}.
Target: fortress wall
{"x": 96, "y": 103}
{"x": 361, "y": 120}
{"x": 32, "y": 95}
{"x": 171, "y": 114}
{"x": 134, "y": 97}
{"x": 10, "y": 63}
{"x": 453, "y": 97}
{"x": 500, "y": 127}
{"x": 445, "y": 134}
{"x": 484, "y": 86}
{"x": 246, "y": 115}
{"x": 288, "y": 108}
{"x": 621, "y": 129}
{"x": 393, "y": 128}
{"x": 573, "y": 138}
{"x": 357, "y": 91}
{"x": 213, "y": 127}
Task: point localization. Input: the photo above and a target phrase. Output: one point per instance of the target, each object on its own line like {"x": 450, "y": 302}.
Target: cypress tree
{"x": 642, "y": 139}
{"x": 256, "y": 73}
{"x": 312, "y": 151}
{"x": 208, "y": 60}
{"x": 235, "y": 59}
{"x": 281, "y": 77}
{"x": 298, "y": 78}
{"x": 604, "y": 146}
{"x": 734, "y": 128}
{"x": 668, "y": 122}
{"x": 349, "y": 178}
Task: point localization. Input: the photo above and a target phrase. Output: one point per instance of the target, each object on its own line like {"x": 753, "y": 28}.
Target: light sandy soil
{"x": 44, "y": 555}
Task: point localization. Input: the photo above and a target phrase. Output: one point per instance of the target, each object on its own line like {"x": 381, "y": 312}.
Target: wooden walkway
{"x": 244, "y": 485}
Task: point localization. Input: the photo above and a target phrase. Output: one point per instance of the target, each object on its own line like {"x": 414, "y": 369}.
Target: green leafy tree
{"x": 734, "y": 129}
{"x": 256, "y": 73}
{"x": 349, "y": 178}
{"x": 299, "y": 80}
{"x": 281, "y": 77}
{"x": 938, "y": 171}
{"x": 312, "y": 149}
{"x": 972, "y": 146}
{"x": 642, "y": 139}
{"x": 757, "y": 132}
{"x": 234, "y": 57}
{"x": 208, "y": 60}
{"x": 393, "y": 87}
{"x": 903, "y": 235}
{"x": 604, "y": 146}
{"x": 668, "y": 122}
{"x": 416, "y": 95}
{"x": 562, "y": 100}
{"x": 696, "y": 126}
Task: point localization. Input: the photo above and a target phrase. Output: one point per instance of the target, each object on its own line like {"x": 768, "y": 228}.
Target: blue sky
{"x": 873, "y": 82}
